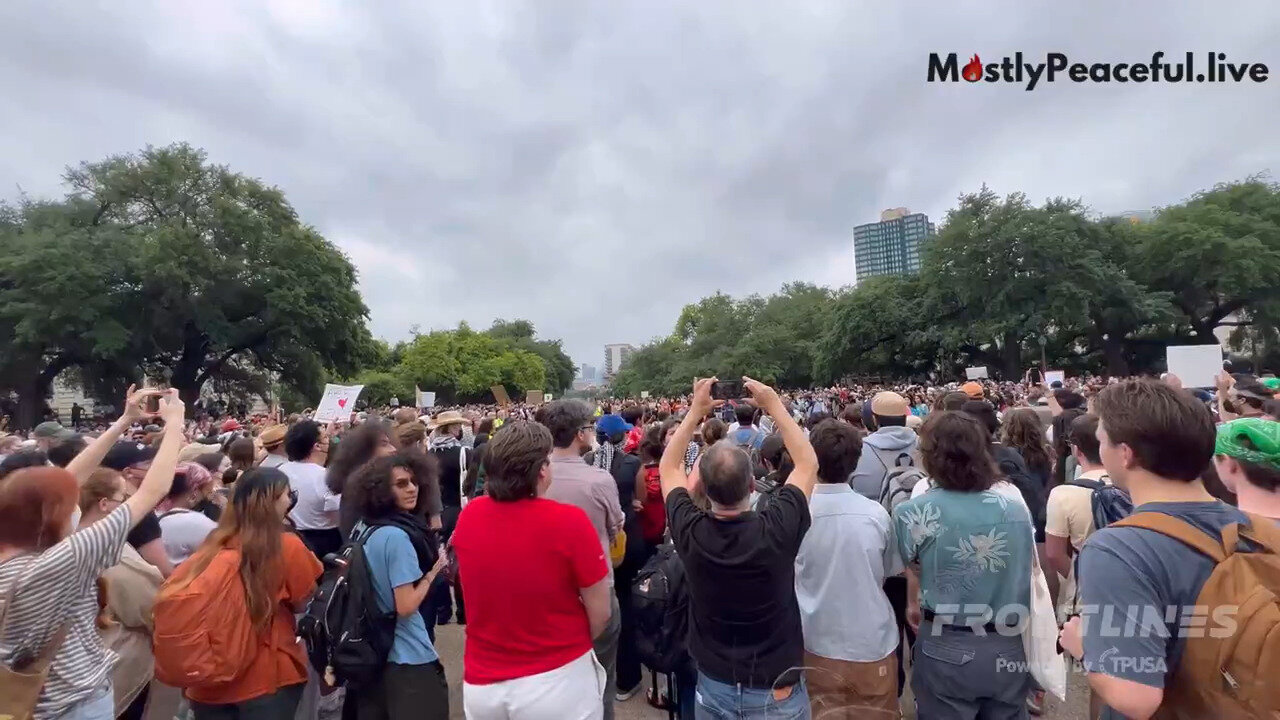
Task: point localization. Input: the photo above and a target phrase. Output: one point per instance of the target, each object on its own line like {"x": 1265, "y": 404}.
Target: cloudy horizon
{"x": 593, "y": 167}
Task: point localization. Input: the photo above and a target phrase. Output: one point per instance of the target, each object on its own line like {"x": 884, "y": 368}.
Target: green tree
{"x": 520, "y": 335}
{"x": 227, "y": 272}
{"x": 65, "y": 298}
{"x": 461, "y": 365}
{"x": 872, "y": 329}
{"x": 1216, "y": 254}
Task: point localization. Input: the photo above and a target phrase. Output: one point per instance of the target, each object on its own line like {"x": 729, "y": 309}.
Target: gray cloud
{"x": 594, "y": 166}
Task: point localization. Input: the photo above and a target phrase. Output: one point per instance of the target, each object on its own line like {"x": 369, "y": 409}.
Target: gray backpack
{"x": 900, "y": 478}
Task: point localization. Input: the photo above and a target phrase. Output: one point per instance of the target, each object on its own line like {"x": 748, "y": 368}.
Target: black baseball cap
{"x": 124, "y": 454}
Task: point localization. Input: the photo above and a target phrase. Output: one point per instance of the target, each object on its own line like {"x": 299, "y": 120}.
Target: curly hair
{"x": 357, "y": 448}
{"x": 370, "y": 489}
{"x": 956, "y": 452}
{"x": 1022, "y": 431}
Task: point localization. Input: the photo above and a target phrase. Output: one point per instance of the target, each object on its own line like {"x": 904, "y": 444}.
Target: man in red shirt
{"x": 537, "y": 585}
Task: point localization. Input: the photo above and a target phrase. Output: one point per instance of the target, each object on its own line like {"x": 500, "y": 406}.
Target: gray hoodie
{"x": 885, "y": 445}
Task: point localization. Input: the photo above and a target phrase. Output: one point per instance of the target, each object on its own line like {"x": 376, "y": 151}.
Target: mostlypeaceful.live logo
{"x": 1208, "y": 67}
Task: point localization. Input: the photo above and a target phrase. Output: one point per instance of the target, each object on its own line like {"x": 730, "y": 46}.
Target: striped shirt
{"x": 55, "y": 587}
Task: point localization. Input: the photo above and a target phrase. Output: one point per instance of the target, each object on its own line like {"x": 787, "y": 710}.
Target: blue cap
{"x": 612, "y": 425}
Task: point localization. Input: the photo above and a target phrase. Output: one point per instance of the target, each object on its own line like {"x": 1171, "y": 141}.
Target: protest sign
{"x": 976, "y": 373}
{"x": 1052, "y": 376}
{"x": 1196, "y": 366}
{"x": 533, "y": 397}
{"x": 500, "y": 395}
{"x": 424, "y": 398}
{"x": 644, "y": 394}
{"x": 337, "y": 403}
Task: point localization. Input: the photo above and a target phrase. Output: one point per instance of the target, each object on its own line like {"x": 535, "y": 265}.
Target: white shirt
{"x": 182, "y": 532}
{"x": 844, "y": 558}
{"x": 317, "y": 508}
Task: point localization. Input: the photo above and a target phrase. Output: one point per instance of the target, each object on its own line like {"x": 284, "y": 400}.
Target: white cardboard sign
{"x": 1053, "y": 376}
{"x": 976, "y": 373}
{"x": 1196, "y": 366}
{"x": 426, "y": 398}
{"x": 338, "y": 402}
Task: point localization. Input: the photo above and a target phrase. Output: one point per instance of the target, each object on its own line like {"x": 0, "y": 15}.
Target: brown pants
{"x": 845, "y": 689}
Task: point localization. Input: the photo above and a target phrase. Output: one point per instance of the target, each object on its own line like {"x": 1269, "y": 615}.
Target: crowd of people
{"x": 780, "y": 555}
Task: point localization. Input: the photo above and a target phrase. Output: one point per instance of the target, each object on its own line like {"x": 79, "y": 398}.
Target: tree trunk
{"x": 33, "y": 393}
{"x": 1011, "y": 356}
{"x": 30, "y": 407}
{"x": 1113, "y": 351}
{"x": 184, "y": 379}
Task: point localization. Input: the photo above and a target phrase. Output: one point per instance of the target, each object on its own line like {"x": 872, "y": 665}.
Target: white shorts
{"x": 573, "y": 691}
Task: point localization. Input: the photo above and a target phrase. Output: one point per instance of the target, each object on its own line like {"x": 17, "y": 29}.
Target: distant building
{"x": 893, "y": 245}
{"x": 587, "y": 372}
{"x": 615, "y": 356}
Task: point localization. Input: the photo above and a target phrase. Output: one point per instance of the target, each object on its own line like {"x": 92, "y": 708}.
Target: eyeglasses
{"x": 587, "y": 427}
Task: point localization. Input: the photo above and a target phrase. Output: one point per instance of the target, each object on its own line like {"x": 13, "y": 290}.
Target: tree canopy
{"x": 162, "y": 264}
{"x": 461, "y": 365}
{"x": 1004, "y": 281}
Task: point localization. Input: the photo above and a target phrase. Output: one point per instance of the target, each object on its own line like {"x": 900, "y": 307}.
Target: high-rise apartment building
{"x": 587, "y": 372}
{"x": 615, "y": 356}
{"x": 893, "y": 245}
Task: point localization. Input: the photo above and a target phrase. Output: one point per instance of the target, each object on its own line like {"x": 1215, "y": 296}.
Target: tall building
{"x": 615, "y": 356}
{"x": 891, "y": 246}
{"x": 587, "y": 372}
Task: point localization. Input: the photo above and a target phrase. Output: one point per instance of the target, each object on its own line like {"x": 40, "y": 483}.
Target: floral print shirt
{"x": 974, "y": 551}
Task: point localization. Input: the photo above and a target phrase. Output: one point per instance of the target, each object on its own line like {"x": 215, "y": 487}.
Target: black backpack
{"x": 348, "y": 638}
{"x": 660, "y": 602}
{"x": 1108, "y": 502}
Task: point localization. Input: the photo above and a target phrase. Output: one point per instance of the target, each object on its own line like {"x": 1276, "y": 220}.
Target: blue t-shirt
{"x": 975, "y": 552}
{"x": 1138, "y": 592}
{"x": 392, "y": 563}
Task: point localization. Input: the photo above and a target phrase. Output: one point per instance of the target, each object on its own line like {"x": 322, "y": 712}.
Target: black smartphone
{"x": 726, "y": 390}
{"x": 152, "y": 405}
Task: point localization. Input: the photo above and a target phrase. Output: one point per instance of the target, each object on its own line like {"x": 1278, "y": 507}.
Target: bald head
{"x": 725, "y": 472}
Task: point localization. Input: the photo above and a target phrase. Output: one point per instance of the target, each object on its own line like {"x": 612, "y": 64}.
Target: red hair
{"x": 36, "y": 506}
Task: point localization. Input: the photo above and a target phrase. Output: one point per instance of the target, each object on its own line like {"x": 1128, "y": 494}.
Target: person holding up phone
{"x": 744, "y": 634}
{"x": 49, "y": 571}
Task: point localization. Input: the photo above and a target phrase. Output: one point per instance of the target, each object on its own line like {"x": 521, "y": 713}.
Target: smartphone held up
{"x": 727, "y": 390}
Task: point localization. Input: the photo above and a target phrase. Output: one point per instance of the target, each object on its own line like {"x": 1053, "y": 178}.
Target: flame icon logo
{"x": 973, "y": 70}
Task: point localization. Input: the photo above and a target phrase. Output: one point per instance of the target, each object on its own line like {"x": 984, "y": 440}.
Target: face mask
{"x": 75, "y": 518}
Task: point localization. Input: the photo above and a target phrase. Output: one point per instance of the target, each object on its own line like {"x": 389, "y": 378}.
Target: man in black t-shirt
{"x": 744, "y": 629}
{"x": 132, "y": 460}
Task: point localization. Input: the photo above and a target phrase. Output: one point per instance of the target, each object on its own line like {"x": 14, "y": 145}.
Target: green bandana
{"x": 1270, "y": 383}
{"x": 1263, "y": 434}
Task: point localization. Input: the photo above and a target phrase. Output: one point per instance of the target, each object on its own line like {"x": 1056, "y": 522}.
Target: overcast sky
{"x": 593, "y": 166}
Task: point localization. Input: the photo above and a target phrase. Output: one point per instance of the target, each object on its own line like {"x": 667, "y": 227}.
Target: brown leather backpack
{"x": 1230, "y": 667}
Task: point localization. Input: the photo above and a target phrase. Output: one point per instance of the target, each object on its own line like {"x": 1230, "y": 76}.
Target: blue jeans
{"x": 101, "y": 705}
{"x": 721, "y": 701}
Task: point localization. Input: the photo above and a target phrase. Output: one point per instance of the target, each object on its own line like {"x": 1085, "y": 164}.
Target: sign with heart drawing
{"x": 337, "y": 402}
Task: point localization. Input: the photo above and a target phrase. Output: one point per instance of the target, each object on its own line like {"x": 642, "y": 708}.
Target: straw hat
{"x": 446, "y": 418}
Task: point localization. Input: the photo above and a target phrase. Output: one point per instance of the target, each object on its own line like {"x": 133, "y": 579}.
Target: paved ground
{"x": 449, "y": 642}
